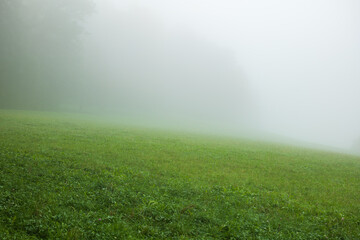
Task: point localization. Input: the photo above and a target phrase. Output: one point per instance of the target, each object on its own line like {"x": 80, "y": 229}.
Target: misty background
{"x": 278, "y": 68}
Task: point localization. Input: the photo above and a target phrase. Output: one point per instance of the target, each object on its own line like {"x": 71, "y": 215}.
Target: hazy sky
{"x": 300, "y": 58}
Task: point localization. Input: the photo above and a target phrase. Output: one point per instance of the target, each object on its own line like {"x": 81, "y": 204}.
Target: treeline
{"x": 67, "y": 55}
{"x": 40, "y": 55}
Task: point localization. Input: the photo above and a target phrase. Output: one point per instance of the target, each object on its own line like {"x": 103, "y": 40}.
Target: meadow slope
{"x": 65, "y": 177}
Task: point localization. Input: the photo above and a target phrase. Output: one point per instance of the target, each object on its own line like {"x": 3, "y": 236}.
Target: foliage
{"x": 39, "y": 51}
{"x": 64, "y": 177}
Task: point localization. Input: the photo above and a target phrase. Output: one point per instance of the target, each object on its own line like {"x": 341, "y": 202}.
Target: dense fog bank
{"x": 285, "y": 68}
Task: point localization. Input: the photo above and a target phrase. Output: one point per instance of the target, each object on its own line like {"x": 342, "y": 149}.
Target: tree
{"x": 39, "y": 50}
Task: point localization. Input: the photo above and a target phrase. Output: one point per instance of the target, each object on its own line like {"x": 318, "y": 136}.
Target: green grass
{"x": 65, "y": 177}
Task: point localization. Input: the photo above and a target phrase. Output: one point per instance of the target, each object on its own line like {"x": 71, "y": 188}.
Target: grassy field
{"x": 65, "y": 177}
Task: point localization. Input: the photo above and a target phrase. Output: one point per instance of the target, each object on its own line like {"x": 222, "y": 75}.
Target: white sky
{"x": 300, "y": 57}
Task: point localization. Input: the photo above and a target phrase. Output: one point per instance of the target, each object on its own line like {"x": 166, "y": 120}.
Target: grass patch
{"x": 65, "y": 177}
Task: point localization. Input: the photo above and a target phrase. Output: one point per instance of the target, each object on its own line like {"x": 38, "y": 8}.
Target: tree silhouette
{"x": 39, "y": 50}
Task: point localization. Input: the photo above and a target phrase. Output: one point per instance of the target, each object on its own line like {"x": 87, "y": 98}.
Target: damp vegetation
{"x": 68, "y": 177}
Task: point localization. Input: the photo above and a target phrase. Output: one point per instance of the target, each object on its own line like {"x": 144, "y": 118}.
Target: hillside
{"x": 66, "y": 177}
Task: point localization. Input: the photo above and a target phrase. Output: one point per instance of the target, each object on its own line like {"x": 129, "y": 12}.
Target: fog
{"x": 279, "y": 69}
